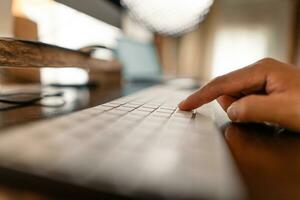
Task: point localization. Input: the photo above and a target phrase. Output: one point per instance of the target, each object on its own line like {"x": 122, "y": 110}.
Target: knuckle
{"x": 267, "y": 60}
{"x": 215, "y": 84}
{"x": 265, "y": 64}
{"x": 218, "y": 83}
{"x": 218, "y": 79}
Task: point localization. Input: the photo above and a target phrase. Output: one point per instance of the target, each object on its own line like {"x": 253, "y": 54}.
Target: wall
{"x": 234, "y": 34}
{"x": 6, "y": 22}
{"x": 246, "y": 31}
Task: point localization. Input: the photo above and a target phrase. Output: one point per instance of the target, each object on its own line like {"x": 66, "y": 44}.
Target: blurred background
{"x": 227, "y": 35}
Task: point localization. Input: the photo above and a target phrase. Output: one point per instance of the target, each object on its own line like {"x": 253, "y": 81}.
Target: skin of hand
{"x": 266, "y": 91}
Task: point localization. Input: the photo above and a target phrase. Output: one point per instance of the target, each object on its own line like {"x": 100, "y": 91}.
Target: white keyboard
{"x": 138, "y": 145}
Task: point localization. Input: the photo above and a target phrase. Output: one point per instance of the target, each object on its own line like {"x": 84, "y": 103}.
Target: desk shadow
{"x": 268, "y": 158}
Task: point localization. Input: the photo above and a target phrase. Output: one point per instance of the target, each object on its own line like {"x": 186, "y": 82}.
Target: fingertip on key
{"x": 183, "y": 105}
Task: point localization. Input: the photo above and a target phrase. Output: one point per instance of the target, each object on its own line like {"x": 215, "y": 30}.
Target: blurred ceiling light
{"x": 169, "y": 17}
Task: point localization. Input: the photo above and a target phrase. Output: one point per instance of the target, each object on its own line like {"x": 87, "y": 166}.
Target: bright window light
{"x": 237, "y": 47}
{"x": 65, "y": 76}
{"x": 58, "y": 24}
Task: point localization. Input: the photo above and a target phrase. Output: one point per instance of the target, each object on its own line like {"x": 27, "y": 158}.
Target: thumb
{"x": 254, "y": 108}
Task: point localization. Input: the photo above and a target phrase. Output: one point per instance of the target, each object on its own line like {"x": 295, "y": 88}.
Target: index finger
{"x": 253, "y": 76}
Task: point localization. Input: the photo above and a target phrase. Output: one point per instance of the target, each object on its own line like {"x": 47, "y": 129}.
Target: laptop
{"x": 139, "y": 60}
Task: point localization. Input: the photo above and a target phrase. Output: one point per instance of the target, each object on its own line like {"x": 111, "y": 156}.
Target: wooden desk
{"x": 268, "y": 158}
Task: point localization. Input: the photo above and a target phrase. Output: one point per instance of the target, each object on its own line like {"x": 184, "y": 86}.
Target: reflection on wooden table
{"x": 268, "y": 158}
{"x": 13, "y": 194}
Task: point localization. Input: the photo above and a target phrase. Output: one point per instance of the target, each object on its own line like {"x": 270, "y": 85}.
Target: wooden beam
{"x": 30, "y": 54}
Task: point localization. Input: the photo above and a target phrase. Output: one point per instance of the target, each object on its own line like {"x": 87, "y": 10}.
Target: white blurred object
{"x": 6, "y": 19}
{"x": 170, "y": 17}
{"x": 236, "y": 47}
{"x": 66, "y": 76}
{"x": 184, "y": 83}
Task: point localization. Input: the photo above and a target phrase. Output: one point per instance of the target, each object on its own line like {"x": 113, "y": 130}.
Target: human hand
{"x": 266, "y": 91}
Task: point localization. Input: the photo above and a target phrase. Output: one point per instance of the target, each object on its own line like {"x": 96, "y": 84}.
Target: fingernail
{"x": 232, "y": 112}
{"x": 181, "y": 104}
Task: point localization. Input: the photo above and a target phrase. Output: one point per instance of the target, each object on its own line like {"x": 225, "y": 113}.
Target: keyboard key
{"x": 148, "y": 110}
{"x": 140, "y": 113}
{"x": 153, "y": 106}
{"x": 117, "y": 112}
{"x": 123, "y": 108}
{"x": 133, "y": 117}
{"x": 103, "y": 108}
{"x": 130, "y": 105}
{"x": 161, "y": 110}
{"x": 106, "y": 117}
{"x": 113, "y": 105}
{"x": 159, "y": 114}
{"x": 183, "y": 114}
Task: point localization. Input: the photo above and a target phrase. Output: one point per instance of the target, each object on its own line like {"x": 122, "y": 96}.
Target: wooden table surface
{"x": 267, "y": 157}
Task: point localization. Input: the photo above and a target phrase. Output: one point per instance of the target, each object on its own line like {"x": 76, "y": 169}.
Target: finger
{"x": 256, "y": 108}
{"x": 225, "y": 101}
{"x": 250, "y": 78}
{"x": 261, "y": 108}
